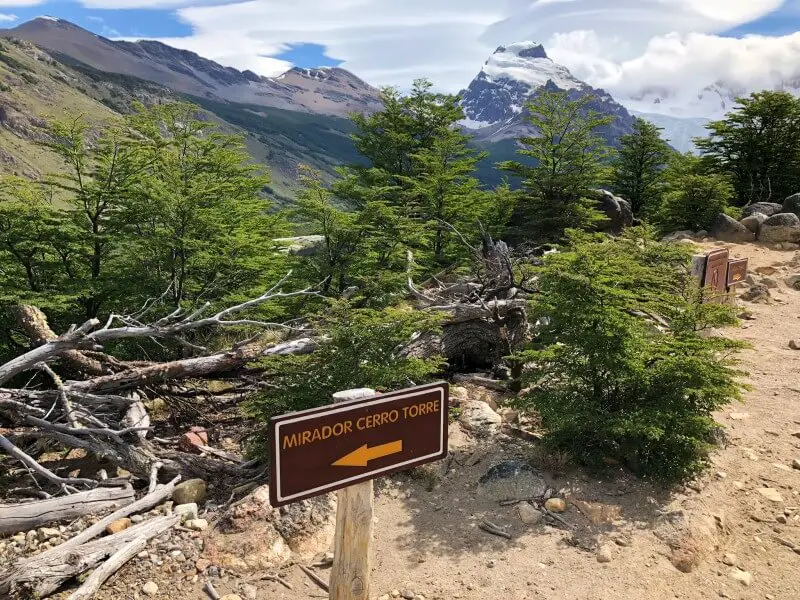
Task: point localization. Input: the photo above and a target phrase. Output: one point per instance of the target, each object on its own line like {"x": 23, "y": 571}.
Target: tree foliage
{"x": 694, "y": 196}
{"x": 361, "y": 348}
{"x": 758, "y": 146}
{"x": 639, "y": 169}
{"x": 160, "y": 200}
{"x": 569, "y": 157}
{"x": 609, "y": 385}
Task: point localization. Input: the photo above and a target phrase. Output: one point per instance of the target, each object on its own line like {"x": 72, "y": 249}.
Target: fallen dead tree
{"x": 101, "y": 411}
{"x": 31, "y": 515}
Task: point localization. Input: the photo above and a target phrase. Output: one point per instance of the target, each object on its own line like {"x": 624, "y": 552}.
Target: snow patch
{"x": 470, "y": 124}
{"x": 48, "y": 18}
{"x": 506, "y": 63}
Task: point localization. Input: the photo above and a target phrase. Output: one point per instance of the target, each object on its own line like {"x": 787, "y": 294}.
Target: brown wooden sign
{"x": 737, "y": 271}
{"x": 316, "y": 451}
{"x": 715, "y": 277}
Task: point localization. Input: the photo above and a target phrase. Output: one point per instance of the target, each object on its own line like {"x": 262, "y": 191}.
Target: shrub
{"x": 694, "y": 203}
{"x": 361, "y": 349}
{"x": 610, "y": 384}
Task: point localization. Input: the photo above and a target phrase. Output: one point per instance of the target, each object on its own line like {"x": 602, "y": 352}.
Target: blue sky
{"x": 149, "y": 23}
{"x": 632, "y": 48}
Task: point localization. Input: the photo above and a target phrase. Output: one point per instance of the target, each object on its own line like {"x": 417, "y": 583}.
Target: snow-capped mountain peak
{"x": 508, "y": 79}
{"x": 494, "y": 103}
{"x": 527, "y": 62}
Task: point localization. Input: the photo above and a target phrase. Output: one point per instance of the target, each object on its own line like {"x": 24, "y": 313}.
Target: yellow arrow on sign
{"x": 361, "y": 456}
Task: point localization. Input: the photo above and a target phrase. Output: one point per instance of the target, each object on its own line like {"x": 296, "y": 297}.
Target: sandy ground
{"x": 428, "y": 542}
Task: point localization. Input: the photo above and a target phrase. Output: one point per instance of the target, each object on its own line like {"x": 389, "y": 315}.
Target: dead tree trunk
{"x": 32, "y": 515}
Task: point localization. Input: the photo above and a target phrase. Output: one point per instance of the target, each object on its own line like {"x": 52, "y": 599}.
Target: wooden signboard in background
{"x": 715, "y": 277}
{"x": 737, "y": 271}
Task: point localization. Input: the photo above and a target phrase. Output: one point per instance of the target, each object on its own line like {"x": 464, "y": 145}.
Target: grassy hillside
{"x": 34, "y": 87}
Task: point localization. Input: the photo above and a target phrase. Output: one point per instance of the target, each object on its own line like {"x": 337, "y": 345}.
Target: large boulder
{"x": 728, "y": 229}
{"x": 617, "y": 210}
{"x": 764, "y": 208}
{"x": 783, "y": 227}
{"x": 792, "y": 205}
{"x": 754, "y": 221}
{"x": 252, "y": 536}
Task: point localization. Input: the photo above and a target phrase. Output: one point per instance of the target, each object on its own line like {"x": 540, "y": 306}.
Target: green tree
{"x": 100, "y": 176}
{"x": 198, "y": 221}
{"x": 361, "y": 348}
{"x": 757, "y": 145}
{"x": 447, "y": 194}
{"x": 341, "y": 237}
{"x": 693, "y": 197}
{"x": 610, "y": 383}
{"x": 639, "y": 169}
{"x": 569, "y": 158}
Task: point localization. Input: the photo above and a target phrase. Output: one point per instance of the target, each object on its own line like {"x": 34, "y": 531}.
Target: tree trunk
{"x": 32, "y": 515}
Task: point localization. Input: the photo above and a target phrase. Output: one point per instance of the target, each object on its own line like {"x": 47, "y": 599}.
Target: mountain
{"x": 35, "y": 85}
{"x": 494, "y": 102}
{"x": 327, "y": 91}
{"x": 678, "y": 131}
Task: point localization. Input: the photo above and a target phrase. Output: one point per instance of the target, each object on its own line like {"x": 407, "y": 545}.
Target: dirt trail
{"x": 429, "y": 543}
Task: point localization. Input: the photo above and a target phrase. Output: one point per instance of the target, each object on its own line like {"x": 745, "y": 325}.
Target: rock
{"x": 479, "y": 418}
{"x": 528, "y": 514}
{"x": 231, "y": 597}
{"x": 757, "y": 293}
{"x": 135, "y": 519}
{"x": 764, "y": 208}
{"x": 796, "y": 463}
{"x": 770, "y": 282}
{"x": 690, "y": 540}
{"x": 556, "y": 505}
{"x": 677, "y": 236}
{"x": 384, "y": 597}
{"x": 197, "y": 524}
{"x": 187, "y": 512}
{"x": 511, "y": 480}
{"x": 407, "y": 594}
{"x": 771, "y": 494}
{"x": 193, "y": 439}
{"x": 754, "y": 221}
{"x": 150, "y": 588}
{"x": 46, "y": 533}
{"x": 792, "y": 205}
{"x": 599, "y": 513}
{"x": 190, "y": 491}
{"x": 794, "y": 344}
{"x": 250, "y": 591}
{"x": 605, "y": 553}
{"x": 304, "y": 528}
{"x": 729, "y": 559}
{"x": 118, "y": 525}
{"x": 782, "y": 227}
{"x": 458, "y": 394}
{"x": 793, "y": 281}
{"x": 739, "y": 416}
{"x": 202, "y": 564}
{"x": 728, "y": 229}
{"x": 742, "y": 577}
{"x": 617, "y": 210}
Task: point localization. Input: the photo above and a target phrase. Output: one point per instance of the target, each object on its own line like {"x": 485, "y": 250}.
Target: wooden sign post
{"x": 344, "y": 447}
{"x": 352, "y": 545}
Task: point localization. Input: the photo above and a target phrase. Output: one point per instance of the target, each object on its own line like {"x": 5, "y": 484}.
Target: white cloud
{"x": 7, "y": 18}
{"x": 631, "y": 47}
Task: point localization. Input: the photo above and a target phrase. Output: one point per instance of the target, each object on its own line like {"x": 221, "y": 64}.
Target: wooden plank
{"x": 352, "y": 553}
{"x": 31, "y": 515}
